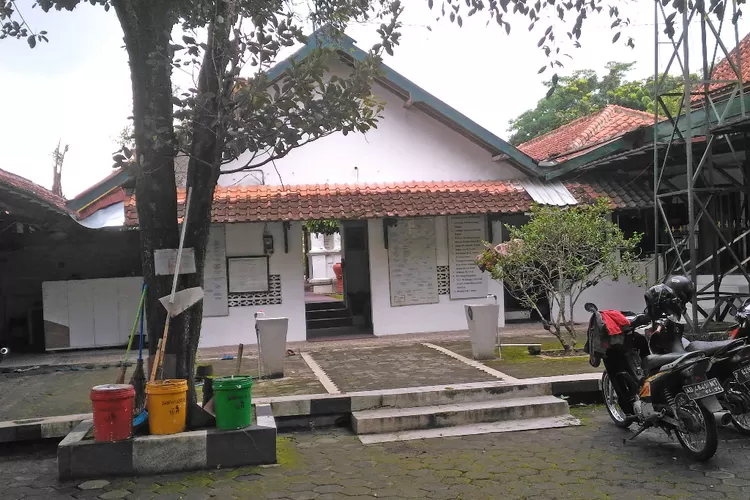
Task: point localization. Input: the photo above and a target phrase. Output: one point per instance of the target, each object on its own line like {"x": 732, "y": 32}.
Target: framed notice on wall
{"x": 248, "y": 274}
{"x": 466, "y": 234}
{"x": 412, "y": 262}
{"x": 215, "y": 299}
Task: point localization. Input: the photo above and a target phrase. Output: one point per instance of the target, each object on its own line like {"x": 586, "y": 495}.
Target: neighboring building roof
{"x": 405, "y": 199}
{"x": 20, "y": 197}
{"x": 413, "y": 95}
{"x": 586, "y": 132}
{"x": 98, "y": 195}
{"x": 724, "y": 71}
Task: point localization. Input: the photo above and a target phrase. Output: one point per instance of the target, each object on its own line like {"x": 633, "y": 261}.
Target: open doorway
{"x": 341, "y": 309}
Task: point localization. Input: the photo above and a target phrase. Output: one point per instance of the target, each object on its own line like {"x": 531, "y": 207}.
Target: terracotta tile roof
{"x": 365, "y": 201}
{"x": 624, "y": 193}
{"x": 573, "y": 138}
{"x": 105, "y": 201}
{"x": 723, "y": 71}
{"x": 25, "y": 188}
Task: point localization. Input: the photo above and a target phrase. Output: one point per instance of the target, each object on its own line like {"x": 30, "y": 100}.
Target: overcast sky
{"x": 77, "y": 87}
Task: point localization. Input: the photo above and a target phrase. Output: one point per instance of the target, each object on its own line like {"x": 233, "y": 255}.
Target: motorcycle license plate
{"x": 743, "y": 374}
{"x": 703, "y": 389}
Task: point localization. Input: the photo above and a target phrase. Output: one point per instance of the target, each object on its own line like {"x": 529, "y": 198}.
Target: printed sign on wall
{"x": 412, "y": 262}
{"x": 465, "y": 236}
{"x": 216, "y": 298}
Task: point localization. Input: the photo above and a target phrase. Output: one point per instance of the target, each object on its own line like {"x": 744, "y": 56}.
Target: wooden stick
{"x": 239, "y": 358}
{"x": 155, "y": 365}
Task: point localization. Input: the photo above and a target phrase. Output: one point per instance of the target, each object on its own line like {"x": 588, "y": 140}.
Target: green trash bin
{"x": 233, "y": 402}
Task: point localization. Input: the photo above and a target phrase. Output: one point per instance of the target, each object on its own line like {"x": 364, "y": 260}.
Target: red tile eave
{"x": 32, "y": 190}
{"x": 724, "y": 71}
{"x": 568, "y": 140}
{"x": 367, "y": 201}
{"x": 105, "y": 201}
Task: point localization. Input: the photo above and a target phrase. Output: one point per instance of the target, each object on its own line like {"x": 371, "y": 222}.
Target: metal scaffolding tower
{"x": 700, "y": 173}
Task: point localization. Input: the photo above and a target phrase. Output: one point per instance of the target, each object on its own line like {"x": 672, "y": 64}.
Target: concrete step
{"x": 314, "y": 324}
{"x": 393, "y": 420}
{"x": 412, "y": 397}
{"x": 325, "y": 304}
{"x": 327, "y": 313}
{"x": 473, "y": 429}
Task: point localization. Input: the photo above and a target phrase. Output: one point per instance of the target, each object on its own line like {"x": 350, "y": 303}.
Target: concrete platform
{"x": 392, "y": 420}
{"x": 473, "y": 429}
{"x": 79, "y": 458}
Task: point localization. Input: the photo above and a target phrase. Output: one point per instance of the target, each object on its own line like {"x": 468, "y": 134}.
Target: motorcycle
{"x": 742, "y": 329}
{"x": 730, "y": 364}
{"x": 669, "y": 391}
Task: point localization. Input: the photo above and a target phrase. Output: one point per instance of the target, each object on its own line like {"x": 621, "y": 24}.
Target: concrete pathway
{"x": 114, "y": 356}
{"x": 587, "y": 462}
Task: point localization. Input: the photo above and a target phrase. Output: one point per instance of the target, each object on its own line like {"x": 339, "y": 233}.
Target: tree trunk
{"x": 203, "y": 174}
{"x": 147, "y": 26}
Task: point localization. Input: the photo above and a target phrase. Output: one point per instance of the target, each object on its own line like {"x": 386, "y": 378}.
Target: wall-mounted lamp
{"x": 267, "y": 242}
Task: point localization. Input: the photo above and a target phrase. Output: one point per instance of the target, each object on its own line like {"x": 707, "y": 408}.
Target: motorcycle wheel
{"x": 700, "y": 443}
{"x": 616, "y": 413}
{"x": 741, "y": 421}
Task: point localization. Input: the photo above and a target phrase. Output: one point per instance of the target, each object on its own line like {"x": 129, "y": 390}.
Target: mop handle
{"x": 140, "y": 343}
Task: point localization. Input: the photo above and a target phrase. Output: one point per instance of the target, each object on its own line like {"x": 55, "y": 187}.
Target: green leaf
{"x": 31, "y": 40}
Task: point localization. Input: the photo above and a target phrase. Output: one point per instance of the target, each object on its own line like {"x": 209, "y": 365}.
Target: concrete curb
{"x": 147, "y": 455}
{"x": 320, "y": 410}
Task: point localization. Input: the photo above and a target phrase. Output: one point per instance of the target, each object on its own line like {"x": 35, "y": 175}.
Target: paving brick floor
{"x": 587, "y": 462}
{"x": 394, "y": 367}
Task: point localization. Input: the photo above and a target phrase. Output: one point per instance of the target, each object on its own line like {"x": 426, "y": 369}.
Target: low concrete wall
{"x": 145, "y": 455}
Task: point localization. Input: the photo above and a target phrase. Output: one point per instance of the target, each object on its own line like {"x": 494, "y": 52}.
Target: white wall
{"x": 622, "y": 295}
{"x": 447, "y": 315}
{"x": 239, "y": 326}
{"x": 407, "y": 145}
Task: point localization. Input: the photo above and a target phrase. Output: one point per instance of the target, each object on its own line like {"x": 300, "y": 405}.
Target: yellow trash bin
{"x": 166, "y": 401}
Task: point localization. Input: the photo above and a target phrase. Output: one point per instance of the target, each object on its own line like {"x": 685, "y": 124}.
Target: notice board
{"x": 216, "y": 297}
{"x": 248, "y": 274}
{"x": 412, "y": 262}
{"x": 466, "y": 234}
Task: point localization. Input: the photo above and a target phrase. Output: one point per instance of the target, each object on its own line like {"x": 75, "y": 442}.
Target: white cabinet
{"x": 90, "y": 313}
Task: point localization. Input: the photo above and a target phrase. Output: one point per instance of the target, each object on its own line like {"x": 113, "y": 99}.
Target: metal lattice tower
{"x": 701, "y": 176}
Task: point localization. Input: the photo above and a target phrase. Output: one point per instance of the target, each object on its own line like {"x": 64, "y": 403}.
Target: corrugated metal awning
{"x": 548, "y": 193}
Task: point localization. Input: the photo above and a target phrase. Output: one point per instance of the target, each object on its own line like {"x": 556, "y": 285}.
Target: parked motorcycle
{"x": 742, "y": 329}
{"x": 730, "y": 359}
{"x": 669, "y": 391}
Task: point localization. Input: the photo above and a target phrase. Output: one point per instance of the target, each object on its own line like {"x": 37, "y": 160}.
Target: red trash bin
{"x": 113, "y": 411}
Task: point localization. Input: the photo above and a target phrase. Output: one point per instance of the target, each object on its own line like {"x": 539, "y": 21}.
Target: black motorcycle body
{"x": 669, "y": 391}
{"x": 730, "y": 364}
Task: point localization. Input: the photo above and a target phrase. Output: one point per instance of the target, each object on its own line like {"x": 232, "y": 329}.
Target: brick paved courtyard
{"x": 587, "y": 462}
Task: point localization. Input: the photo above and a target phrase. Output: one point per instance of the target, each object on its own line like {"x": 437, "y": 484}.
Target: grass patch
{"x": 585, "y": 413}
{"x": 286, "y": 454}
{"x": 517, "y": 362}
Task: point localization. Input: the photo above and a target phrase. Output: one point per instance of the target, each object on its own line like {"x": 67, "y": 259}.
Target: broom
{"x": 138, "y": 380}
{"x": 124, "y": 365}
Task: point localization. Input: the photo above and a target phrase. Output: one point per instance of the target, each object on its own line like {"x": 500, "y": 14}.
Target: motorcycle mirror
{"x": 590, "y": 307}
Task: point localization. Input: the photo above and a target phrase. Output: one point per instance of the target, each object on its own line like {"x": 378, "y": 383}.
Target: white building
{"x": 416, "y": 198}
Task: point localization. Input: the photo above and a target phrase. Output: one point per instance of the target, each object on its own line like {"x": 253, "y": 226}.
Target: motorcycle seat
{"x": 708, "y": 348}
{"x": 653, "y": 362}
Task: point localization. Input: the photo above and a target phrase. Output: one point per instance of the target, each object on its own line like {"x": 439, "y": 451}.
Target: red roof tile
{"x": 28, "y": 189}
{"x": 587, "y": 131}
{"x": 366, "y": 201}
{"x": 723, "y": 71}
